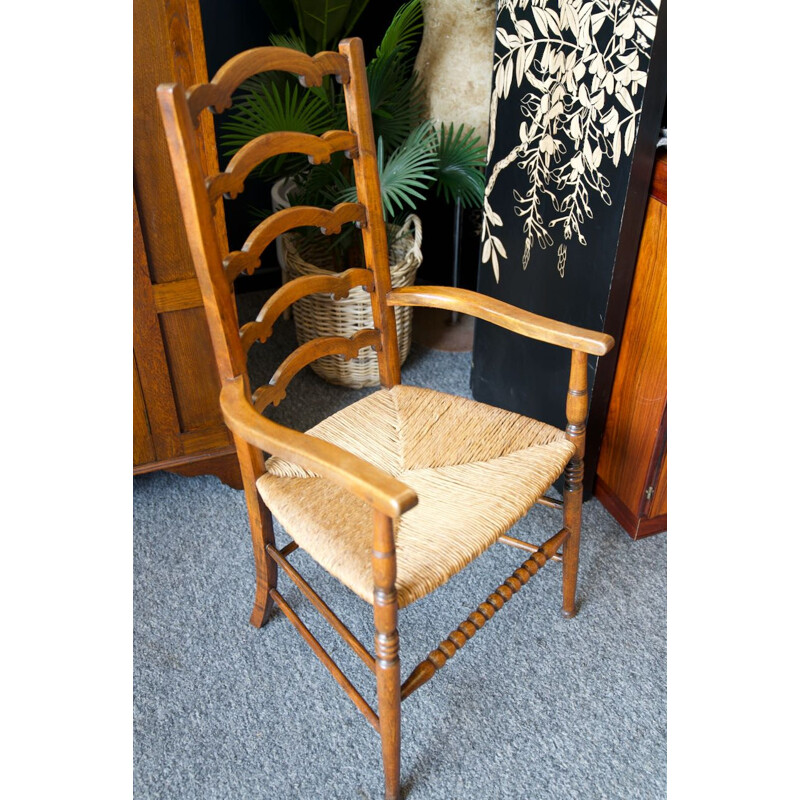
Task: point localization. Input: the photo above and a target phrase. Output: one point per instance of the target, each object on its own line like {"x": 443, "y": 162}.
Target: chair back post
{"x": 220, "y": 309}
{"x": 387, "y": 647}
{"x": 217, "y": 293}
{"x": 365, "y": 167}
{"x": 577, "y": 413}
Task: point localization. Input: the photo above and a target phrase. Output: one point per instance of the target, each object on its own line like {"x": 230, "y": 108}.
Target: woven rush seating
{"x": 476, "y": 470}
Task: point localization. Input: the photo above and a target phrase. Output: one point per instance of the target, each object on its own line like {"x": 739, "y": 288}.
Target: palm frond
{"x": 403, "y": 31}
{"x": 407, "y": 173}
{"x": 462, "y": 159}
{"x": 262, "y": 107}
{"x": 289, "y": 39}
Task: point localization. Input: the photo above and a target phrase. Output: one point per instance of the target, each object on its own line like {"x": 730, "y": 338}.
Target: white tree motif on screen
{"x": 580, "y": 109}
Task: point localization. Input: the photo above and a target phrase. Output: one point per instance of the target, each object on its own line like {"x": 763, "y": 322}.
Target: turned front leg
{"x": 387, "y": 649}
{"x": 577, "y": 412}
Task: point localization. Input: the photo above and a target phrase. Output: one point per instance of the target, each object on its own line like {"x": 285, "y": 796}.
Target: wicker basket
{"x": 320, "y": 315}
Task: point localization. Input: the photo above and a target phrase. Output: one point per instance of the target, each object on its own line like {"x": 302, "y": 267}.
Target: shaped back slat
{"x": 274, "y": 391}
{"x": 310, "y": 69}
{"x": 329, "y": 222}
{"x": 198, "y": 192}
{"x": 337, "y": 285}
{"x": 317, "y": 148}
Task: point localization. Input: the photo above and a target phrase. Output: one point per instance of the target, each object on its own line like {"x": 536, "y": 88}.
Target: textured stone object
{"x": 455, "y": 61}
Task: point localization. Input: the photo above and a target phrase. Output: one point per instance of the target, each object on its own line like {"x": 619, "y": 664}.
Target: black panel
{"x": 583, "y": 284}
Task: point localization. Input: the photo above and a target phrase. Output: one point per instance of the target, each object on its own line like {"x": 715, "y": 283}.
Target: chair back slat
{"x": 248, "y": 157}
{"x": 311, "y": 70}
{"x": 199, "y": 193}
{"x": 328, "y": 221}
{"x": 274, "y": 391}
{"x": 338, "y": 285}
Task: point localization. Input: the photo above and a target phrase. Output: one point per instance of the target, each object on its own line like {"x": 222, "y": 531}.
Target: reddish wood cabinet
{"x": 632, "y": 468}
{"x": 177, "y": 423}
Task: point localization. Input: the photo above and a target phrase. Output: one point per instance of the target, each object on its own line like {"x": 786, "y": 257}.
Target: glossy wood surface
{"x": 336, "y": 285}
{"x": 374, "y": 486}
{"x": 280, "y": 557}
{"x": 373, "y": 233}
{"x": 177, "y": 416}
{"x": 317, "y": 148}
{"x": 311, "y": 70}
{"x": 631, "y": 471}
{"x": 328, "y": 221}
{"x": 274, "y": 391}
{"x": 447, "y": 648}
{"x": 534, "y": 326}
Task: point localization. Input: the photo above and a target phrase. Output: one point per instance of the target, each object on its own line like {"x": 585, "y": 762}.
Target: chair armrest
{"x": 503, "y": 314}
{"x": 374, "y": 486}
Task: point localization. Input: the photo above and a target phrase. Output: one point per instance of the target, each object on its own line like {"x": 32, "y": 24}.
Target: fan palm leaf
{"x": 462, "y": 158}
{"x": 262, "y": 107}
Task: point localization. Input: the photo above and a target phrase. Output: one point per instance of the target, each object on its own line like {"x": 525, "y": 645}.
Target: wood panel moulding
{"x": 632, "y": 468}
{"x": 177, "y": 420}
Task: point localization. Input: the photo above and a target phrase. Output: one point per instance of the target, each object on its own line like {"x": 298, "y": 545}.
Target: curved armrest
{"x": 503, "y": 314}
{"x": 374, "y": 486}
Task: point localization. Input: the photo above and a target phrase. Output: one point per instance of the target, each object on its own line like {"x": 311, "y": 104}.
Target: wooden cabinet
{"x": 177, "y": 424}
{"x": 632, "y": 468}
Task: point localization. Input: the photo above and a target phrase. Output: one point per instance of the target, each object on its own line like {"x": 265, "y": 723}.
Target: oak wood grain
{"x": 635, "y": 424}
{"x": 142, "y": 441}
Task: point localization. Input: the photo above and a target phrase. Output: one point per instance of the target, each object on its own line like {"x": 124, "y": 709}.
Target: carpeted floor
{"x": 534, "y": 706}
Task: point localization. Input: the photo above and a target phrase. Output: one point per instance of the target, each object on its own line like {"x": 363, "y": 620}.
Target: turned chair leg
{"x": 577, "y": 411}
{"x": 266, "y": 569}
{"x": 573, "y": 499}
{"x": 388, "y": 675}
{"x": 387, "y": 651}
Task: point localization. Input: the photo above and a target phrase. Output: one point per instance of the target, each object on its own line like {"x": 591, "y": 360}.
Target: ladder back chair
{"x": 396, "y": 493}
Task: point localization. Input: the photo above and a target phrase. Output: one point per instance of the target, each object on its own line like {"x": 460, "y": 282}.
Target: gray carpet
{"x": 534, "y": 706}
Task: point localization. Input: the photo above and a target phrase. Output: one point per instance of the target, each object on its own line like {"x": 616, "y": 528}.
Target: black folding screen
{"x": 577, "y": 98}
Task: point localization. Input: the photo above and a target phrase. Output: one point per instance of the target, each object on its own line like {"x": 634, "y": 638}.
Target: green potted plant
{"x": 414, "y": 156}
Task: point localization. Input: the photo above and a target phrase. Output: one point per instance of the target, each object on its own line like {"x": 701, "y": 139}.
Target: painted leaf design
{"x": 624, "y": 96}
{"x": 579, "y": 101}
{"x": 630, "y": 133}
{"x": 487, "y": 249}
{"x": 525, "y": 28}
{"x": 647, "y": 25}
{"x": 540, "y": 18}
{"x": 509, "y": 77}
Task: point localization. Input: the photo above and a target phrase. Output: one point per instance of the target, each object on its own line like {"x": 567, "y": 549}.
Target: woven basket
{"x": 320, "y": 315}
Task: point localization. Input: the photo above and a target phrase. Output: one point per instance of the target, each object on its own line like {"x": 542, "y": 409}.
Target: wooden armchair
{"x": 396, "y": 493}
